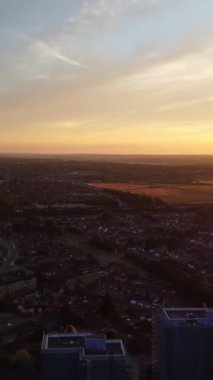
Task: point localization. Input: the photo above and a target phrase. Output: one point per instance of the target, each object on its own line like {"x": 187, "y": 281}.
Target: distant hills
{"x": 131, "y": 159}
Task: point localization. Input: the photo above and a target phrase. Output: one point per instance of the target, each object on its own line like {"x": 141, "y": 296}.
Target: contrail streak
{"x": 46, "y": 48}
{"x": 55, "y": 53}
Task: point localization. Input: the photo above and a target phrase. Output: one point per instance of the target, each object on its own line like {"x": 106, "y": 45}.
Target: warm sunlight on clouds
{"x": 115, "y": 76}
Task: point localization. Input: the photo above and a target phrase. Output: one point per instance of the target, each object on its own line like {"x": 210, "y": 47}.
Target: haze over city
{"x": 106, "y": 76}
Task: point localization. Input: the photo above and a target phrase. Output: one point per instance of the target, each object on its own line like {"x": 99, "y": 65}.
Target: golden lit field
{"x": 169, "y": 193}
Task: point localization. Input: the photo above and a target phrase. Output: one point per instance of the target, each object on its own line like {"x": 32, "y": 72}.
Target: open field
{"x": 193, "y": 193}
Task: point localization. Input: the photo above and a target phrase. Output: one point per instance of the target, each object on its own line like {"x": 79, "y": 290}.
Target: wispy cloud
{"x": 117, "y": 70}
{"x": 186, "y": 103}
{"x": 179, "y": 67}
{"x": 43, "y": 49}
{"x": 69, "y": 124}
{"x": 96, "y": 15}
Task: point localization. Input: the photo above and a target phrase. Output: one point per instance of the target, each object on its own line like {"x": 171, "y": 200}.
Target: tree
{"x": 70, "y": 329}
{"x": 21, "y": 359}
{"x": 107, "y": 307}
{"x": 69, "y": 315}
{"x": 5, "y": 209}
{"x": 149, "y": 372}
{"x": 5, "y": 362}
{"x": 135, "y": 345}
{"x": 111, "y": 333}
{"x": 3, "y": 305}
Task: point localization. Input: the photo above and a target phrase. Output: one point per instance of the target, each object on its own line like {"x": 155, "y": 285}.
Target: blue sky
{"x": 106, "y": 76}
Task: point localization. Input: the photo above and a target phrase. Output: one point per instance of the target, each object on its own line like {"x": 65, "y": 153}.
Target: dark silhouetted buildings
{"x": 183, "y": 344}
{"x": 83, "y": 357}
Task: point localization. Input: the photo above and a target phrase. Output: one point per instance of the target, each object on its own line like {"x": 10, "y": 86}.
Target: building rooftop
{"x": 185, "y": 313}
{"x": 115, "y": 348}
{"x": 88, "y": 344}
{"x": 65, "y": 341}
{"x": 96, "y": 336}
{"x": 188, "y": 314}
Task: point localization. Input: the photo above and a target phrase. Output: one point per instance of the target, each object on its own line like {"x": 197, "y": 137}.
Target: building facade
{"x": 83, "y": 357}
{"x": 183, "y": 344}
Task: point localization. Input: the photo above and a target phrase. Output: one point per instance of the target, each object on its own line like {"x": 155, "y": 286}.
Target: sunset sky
{"x": 106, "y": 76}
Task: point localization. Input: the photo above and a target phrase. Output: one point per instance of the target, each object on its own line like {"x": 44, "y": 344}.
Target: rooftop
{"x": 188, "y": 314}
{"x": 65, "y": 342}
{"x": 96, "y": 336}
{"x": 88, "y": 344}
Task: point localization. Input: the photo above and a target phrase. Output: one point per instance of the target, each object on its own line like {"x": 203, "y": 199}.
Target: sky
{"x": 106, "y": 76}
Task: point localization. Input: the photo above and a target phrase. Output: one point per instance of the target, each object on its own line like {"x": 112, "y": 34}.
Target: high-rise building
{"x": 83, "y": 356}
{"x": 183, "y": 344}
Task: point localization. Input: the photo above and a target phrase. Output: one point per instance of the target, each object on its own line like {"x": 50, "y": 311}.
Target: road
{"x": 12, "y": 254}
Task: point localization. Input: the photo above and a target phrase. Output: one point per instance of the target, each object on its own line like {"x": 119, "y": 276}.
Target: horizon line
{"x": 109, "y": 154}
